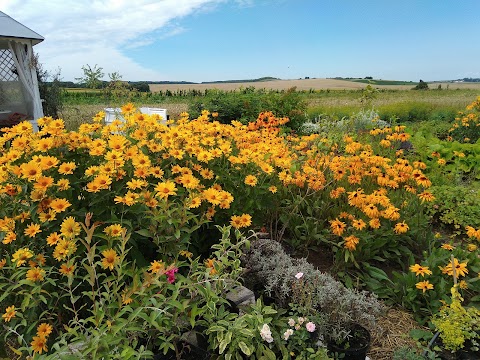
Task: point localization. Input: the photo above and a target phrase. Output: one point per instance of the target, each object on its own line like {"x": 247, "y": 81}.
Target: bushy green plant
{"x": 466, "y": 127}
{"x": 458, "y": 325}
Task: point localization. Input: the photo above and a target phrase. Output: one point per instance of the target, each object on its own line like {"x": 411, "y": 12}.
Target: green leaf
{"x": 245, "y": 349}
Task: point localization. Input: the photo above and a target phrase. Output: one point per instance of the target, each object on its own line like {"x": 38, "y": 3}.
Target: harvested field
{"x": 302, "y": 84}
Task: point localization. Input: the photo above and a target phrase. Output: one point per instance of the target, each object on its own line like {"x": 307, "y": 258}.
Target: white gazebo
{"x": 18, "y": 76}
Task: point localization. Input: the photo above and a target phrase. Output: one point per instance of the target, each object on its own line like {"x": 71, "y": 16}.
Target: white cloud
{"x": 79, "y": 32}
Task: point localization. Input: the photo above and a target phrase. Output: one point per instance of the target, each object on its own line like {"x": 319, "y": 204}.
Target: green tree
{"x": 91, "y": 76}
{"x": 422, "y": 85}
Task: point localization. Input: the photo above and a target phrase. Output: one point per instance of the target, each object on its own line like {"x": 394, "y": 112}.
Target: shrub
{"x": 295, "y": 283}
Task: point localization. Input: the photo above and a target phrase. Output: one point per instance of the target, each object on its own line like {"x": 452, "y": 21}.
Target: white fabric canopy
{"x": 22, "y": 54}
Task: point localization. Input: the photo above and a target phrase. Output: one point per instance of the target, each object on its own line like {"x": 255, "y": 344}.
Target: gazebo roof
{"x": 12, "y": 29}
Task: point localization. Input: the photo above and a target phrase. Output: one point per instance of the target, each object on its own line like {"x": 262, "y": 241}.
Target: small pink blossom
{"x": 287, "y": 334}
{"x": 291, "y": 322}
{"x": 310, "y": 326}
{"x": 171, "y": 275}
{"x": 301, "y": 320}
{"x": 299, "y": 275}
{"x": 266, "y": 334}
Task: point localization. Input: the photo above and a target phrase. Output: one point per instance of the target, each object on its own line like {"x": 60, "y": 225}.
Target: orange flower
{"x": 351, "y": 242}
{"x": 337, "y": 226}
{"x": 210, "y": 264}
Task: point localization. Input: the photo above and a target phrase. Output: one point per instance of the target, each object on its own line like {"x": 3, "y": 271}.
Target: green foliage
{"x": 455, "y": 207}
{"x": 50, "y": 90}
{"x": 457, "y": 324}
{"x": 91, "y": 76}
{"x": 248, "y": 103}
{"x": 422, "y": 85}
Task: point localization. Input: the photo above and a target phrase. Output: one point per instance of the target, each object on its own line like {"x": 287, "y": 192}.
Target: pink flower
{"x": 171, "y": 275}
{"x": 287, "y": 334}
{"x": 266, "y": 334}
{"x": 299, "y": 275}
{"x": 291, "y": 322}
{"x": 310, "y": 326}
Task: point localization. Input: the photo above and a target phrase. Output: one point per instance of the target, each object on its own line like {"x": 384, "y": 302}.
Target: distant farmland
{"x": 302, "y": 84}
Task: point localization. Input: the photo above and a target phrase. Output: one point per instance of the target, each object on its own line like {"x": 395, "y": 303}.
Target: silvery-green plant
{"x": 339, "y": 306}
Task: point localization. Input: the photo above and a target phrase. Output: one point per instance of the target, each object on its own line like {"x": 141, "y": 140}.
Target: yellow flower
{"x": 447, "y": 247}
{"x": 70, "y": 228}
{"x": 35, "y": 274}
{"x": 460, "y": 268}
{"x": 67, "y": 269}
{"x": 156, "y": 266}
{"x": 39, "y": 344}
{"x": 60, "y": 205}
{"x": 67, "y": 168}
{"x": 32, "y": 230}
{"x": 401, "y": 228}
{"x": 420, "y": 270}
{"x": 272, "y": 189}
{"x": 351, "y": 242}
{"x": 115, "y": 230}
{"x": 251, "y": 180}
{"x": 9, "y": 313}
{"x": 9, "y": 237}
{"x": 110, "y": 258}
{"x": 21, "y": 256}
{"x": 44, "y": 329}
{"x": 63, "y": 249}
{"x": 424, "y": 285}
{"x": 359, "y": 224}
{"x": 165, "y": 189}
{"x": 471, "y": 247}
{"x": 337, "y": 226}
{"x": 53, "y": 238}
{"x": 371, "y": 211}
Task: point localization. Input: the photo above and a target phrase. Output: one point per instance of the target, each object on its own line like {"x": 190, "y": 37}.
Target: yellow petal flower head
{"x": 351, "y": 242}
{"x": 420, "y": 270}
{"x": 460, "y": 268}
{"x": 165, "y": 189}
{"x": 9, "y": 313}
{"x": 110, "y": 258}
{"x": 70, "y": 228}
{"x": 60, "y": 205}
{"x": 424, "y": 286}
{"x": 44, "y": 329}
{"x": 21, "y": 256}
{"x": 39, "y": 344}
{"x": 35, "y": 274}
{"x": 115, "y": 230}
{"x": 401, "y": 228}
{"x": 337, "y": 227}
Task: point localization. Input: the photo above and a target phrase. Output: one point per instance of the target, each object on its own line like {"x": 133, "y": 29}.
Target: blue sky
{"x": 206, "y": 40}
